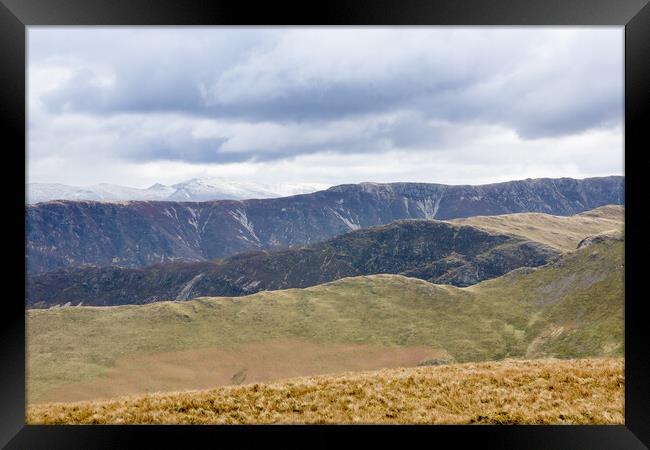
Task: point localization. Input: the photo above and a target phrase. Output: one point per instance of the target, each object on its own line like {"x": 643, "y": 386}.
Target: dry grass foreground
{"x": 549, "y": 391}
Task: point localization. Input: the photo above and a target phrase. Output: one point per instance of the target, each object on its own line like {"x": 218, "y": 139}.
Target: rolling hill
{"x": 64, "y": 234}
{"x": 569, "y": 308}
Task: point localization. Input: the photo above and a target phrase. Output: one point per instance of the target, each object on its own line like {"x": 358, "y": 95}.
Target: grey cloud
{"x": 156, "y": 69}
{"x": 155, "y": 91}
{"x": 178, "y": 148}
{"x": 528, "y": 81}
{"x": 181, "y": 146}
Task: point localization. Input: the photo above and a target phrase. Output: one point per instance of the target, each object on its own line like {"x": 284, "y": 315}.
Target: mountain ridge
{"x": 195, "y": 190}
{"x": 459, "y": 252}
{"x": 431, "y": 250}
{"x": 140, "y": 233}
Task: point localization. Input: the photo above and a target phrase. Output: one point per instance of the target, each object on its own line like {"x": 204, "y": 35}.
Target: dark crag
{"x": 435, "y": 251}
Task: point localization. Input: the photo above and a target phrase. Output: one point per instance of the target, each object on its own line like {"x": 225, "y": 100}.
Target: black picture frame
{"x": 634, "y": 15}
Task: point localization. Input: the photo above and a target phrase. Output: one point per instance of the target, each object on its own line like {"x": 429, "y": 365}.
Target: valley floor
{"x": 258, "y": 362}
{"x": 545, "y": 391}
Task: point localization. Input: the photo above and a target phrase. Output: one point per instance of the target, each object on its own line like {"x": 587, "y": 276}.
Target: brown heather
{"x": 546, "y": 391}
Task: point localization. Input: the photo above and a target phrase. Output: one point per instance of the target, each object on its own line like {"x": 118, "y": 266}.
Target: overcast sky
{"x": 138, "y": 106}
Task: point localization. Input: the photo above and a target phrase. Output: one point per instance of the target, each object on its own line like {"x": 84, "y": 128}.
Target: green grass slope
{"x": 570, "y": 308}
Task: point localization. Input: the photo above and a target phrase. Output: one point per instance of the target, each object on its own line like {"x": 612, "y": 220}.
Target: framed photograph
{"x": 408, "y": 217}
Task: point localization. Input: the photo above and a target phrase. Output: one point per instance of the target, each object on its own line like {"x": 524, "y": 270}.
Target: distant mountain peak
{"x": 195, "y": 189}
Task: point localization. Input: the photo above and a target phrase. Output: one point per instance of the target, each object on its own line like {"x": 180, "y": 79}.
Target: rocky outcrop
{"x": 614, "y": 235}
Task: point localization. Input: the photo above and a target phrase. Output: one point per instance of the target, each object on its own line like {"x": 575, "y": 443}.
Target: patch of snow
{"x": 240, "y": 216}
{"x": 406, "y": 206}
{"x": 429, "y": 207}
{"x": 206, "y": 221}
{"x": 351, "y": 225}
{"x": 250, "y": 286}
{"x": 184, "y": 294}
{"x": 192, "y": 220}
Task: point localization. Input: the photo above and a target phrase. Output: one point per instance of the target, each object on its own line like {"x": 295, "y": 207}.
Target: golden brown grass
{"x": 559, "y": 232}
{"x": 550, "y": 391}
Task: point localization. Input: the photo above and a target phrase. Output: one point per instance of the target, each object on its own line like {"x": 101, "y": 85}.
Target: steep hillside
{"x": 136, "y": 234}
{"x": 585, "y": 391}
{"x": 570, "y": 308}
{"x": 435, "y": 251}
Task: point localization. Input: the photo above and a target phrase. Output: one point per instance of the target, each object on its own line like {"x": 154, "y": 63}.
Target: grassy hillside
{"x": 559, "y": 232}
{"x": 586, "y": 391}
{"x": 570, "y": 308}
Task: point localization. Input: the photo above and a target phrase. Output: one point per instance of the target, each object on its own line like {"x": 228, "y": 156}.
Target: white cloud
{"x": 136, "y": 106}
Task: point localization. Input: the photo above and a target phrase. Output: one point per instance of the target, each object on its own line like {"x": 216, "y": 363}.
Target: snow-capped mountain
{"x": 199, "y": 189}
{"x": 202, "y": 189}
{"x": 194, "y": 190}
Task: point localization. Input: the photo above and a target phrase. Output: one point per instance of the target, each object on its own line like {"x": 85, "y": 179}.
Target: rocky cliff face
{"x": 439, "y": 252}
{"x": 64, "y": 234}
